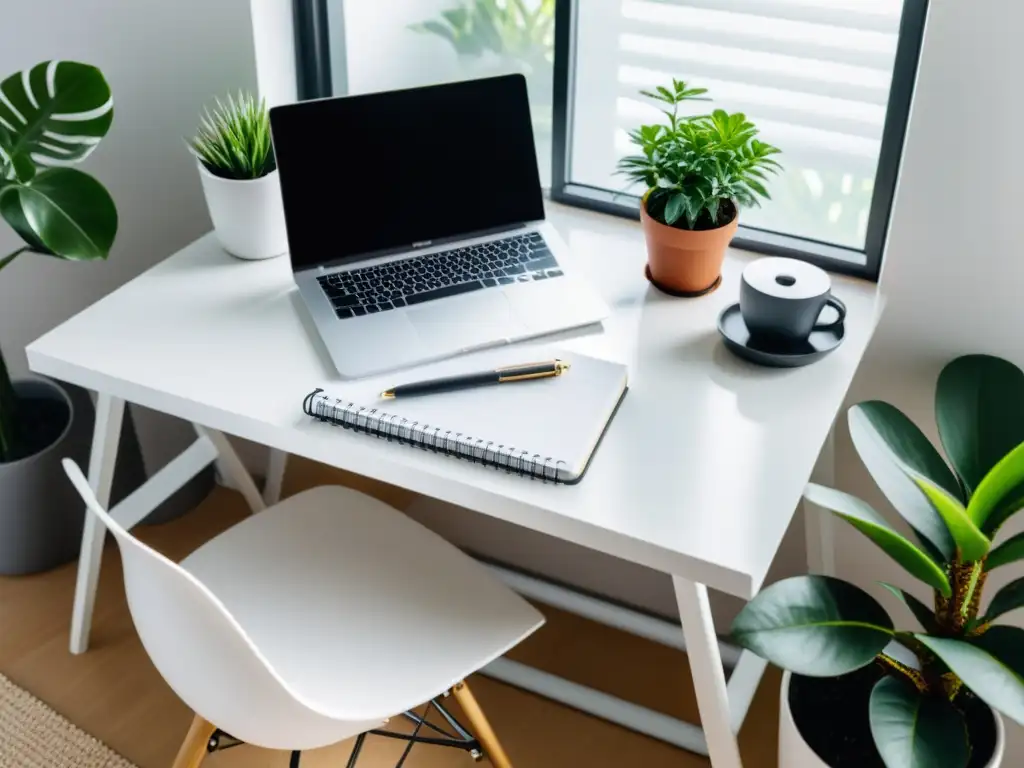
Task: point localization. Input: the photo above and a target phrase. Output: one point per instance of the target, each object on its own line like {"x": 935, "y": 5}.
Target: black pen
{"x": 524, "y": 372}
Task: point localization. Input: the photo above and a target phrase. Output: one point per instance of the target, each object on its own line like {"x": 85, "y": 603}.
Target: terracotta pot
{"x": 682, "y": 260}
{"x": 794, "y": 752}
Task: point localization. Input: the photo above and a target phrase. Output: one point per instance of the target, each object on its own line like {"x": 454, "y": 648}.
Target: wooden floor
{"x": 114, "y": 693}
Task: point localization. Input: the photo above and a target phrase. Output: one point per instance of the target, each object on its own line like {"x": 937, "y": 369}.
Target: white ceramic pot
{"x": 794, "y": 752}
{"x": 248, "y": 216}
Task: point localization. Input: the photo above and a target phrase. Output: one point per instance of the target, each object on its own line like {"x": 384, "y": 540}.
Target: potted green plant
{"x": 239, "y": 176}
{"x": 856, "y": 687}
{"x": 698, "y": 171}
{"x": 51, "y": 116}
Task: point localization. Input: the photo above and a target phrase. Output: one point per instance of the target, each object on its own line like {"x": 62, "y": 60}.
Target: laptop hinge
{"x": 409, "y": 249}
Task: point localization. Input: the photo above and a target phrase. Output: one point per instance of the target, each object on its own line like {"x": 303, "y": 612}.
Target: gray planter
{"x": 41, "y": 515}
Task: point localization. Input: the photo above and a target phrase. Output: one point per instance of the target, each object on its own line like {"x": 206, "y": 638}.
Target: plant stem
{"x": 942, "y": 610}
{"x": 901, "y": 670}
{"x": 972, "y": 593}
{"x": 955, "y": 612}
{"x": 951, "y": 685}
{"x": 11, "y": 256}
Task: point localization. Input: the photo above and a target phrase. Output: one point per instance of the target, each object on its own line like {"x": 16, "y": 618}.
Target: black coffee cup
{"x": 783, "y": 299}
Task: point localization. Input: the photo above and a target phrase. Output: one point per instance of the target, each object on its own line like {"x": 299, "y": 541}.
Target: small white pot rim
{"x": 206, "y": 172}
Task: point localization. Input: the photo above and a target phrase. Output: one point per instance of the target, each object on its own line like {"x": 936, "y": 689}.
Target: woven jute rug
{"x": 34, "y": 736}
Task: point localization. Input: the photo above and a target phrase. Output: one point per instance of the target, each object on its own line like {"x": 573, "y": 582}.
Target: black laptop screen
{"x": 390, "y": 170}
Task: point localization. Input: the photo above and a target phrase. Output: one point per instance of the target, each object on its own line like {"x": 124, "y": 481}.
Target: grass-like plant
{"x": 819, "y": 626}
{"x": 233, "y": 140}
{"x": 698, "y": 168}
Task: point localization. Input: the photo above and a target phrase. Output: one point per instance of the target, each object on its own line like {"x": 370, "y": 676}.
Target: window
{"x": 827, "y": 81}
{"x": 386, "y": 44}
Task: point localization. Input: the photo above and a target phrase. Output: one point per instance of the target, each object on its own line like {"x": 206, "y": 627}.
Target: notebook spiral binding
{"x": 394, "y": 428}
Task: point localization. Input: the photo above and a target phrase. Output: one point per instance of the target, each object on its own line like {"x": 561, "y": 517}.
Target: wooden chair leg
{"x": 193, "y": 749}
{"x": 480, "y": 726}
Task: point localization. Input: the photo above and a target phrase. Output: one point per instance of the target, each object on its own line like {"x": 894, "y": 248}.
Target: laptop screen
{"x": 390, "y": 170}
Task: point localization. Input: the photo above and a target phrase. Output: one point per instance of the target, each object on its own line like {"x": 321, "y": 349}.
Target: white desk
{"x": 698, "y": 477}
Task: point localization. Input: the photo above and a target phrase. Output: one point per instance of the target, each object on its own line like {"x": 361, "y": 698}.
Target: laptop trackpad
{"x": 467, "y": 321}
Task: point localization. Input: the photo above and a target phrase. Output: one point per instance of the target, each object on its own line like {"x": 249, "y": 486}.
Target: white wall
{"x": 954, "y": 270}
{"x": 163, "y": 60}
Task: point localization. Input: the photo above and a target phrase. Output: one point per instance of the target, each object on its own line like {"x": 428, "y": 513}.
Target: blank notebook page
{"x": 560, "y": 418}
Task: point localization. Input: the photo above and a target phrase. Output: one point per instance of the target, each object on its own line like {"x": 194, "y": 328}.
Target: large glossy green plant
{"x": 51, "y": 116}
{"x": 822, "y": 627}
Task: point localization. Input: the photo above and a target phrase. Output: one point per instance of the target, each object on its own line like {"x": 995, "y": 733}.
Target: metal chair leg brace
{"x": 461, "y": 739}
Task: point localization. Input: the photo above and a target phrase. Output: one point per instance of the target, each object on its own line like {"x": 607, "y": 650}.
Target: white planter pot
{"x": 794, "y": 752}
{"x": 248, "y": 216}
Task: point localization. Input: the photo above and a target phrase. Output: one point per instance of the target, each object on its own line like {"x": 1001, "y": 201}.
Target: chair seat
{"x": 362, "y": 611}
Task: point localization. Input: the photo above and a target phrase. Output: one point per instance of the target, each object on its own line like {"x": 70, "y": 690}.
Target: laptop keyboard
{"x": 517, "y": 259}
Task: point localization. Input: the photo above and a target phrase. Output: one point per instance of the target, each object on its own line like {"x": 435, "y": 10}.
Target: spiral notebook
{"x": 547, "y": 429}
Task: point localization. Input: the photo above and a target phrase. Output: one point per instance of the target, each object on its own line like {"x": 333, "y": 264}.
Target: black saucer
{"x": 773, "y": 353}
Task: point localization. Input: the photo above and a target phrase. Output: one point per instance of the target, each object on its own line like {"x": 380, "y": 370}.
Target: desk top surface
{"x": 699, "y": 474}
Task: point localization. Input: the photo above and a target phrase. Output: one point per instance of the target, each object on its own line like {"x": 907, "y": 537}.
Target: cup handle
{"x": 840, "y": 309}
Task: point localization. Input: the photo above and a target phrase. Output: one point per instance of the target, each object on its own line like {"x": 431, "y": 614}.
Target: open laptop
{"x": 416, "y": 224}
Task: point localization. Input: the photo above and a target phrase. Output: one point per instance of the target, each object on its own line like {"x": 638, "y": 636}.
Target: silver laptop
{"x": 416, "y": 224}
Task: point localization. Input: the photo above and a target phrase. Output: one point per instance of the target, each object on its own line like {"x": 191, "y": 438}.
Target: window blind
{"x": 814, "y": 75}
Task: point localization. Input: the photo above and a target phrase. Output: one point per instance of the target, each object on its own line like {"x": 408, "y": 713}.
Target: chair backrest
{"x": 202, "y": 652}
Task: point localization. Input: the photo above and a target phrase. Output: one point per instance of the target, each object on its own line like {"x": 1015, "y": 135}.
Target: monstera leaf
{"x": 62, "y": 212}
{"x": 55, "y": 114}
{"x": 52, "y": 114}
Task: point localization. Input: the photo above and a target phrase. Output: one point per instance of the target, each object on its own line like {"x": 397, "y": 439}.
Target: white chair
{"x": 316, "y": 620}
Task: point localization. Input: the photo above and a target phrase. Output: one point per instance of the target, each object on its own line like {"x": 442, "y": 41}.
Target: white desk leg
{"x": 819, "y": 525}
{"x": 276, "y": 465}
{"x": 105, "y": 439}
{"x": 708, "y": 674}
{"x": 232, "y": 469}
{"x": 820, "y": 528}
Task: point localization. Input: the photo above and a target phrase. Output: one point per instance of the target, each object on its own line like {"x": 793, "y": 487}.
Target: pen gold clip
{"x": 560, "y": 367}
